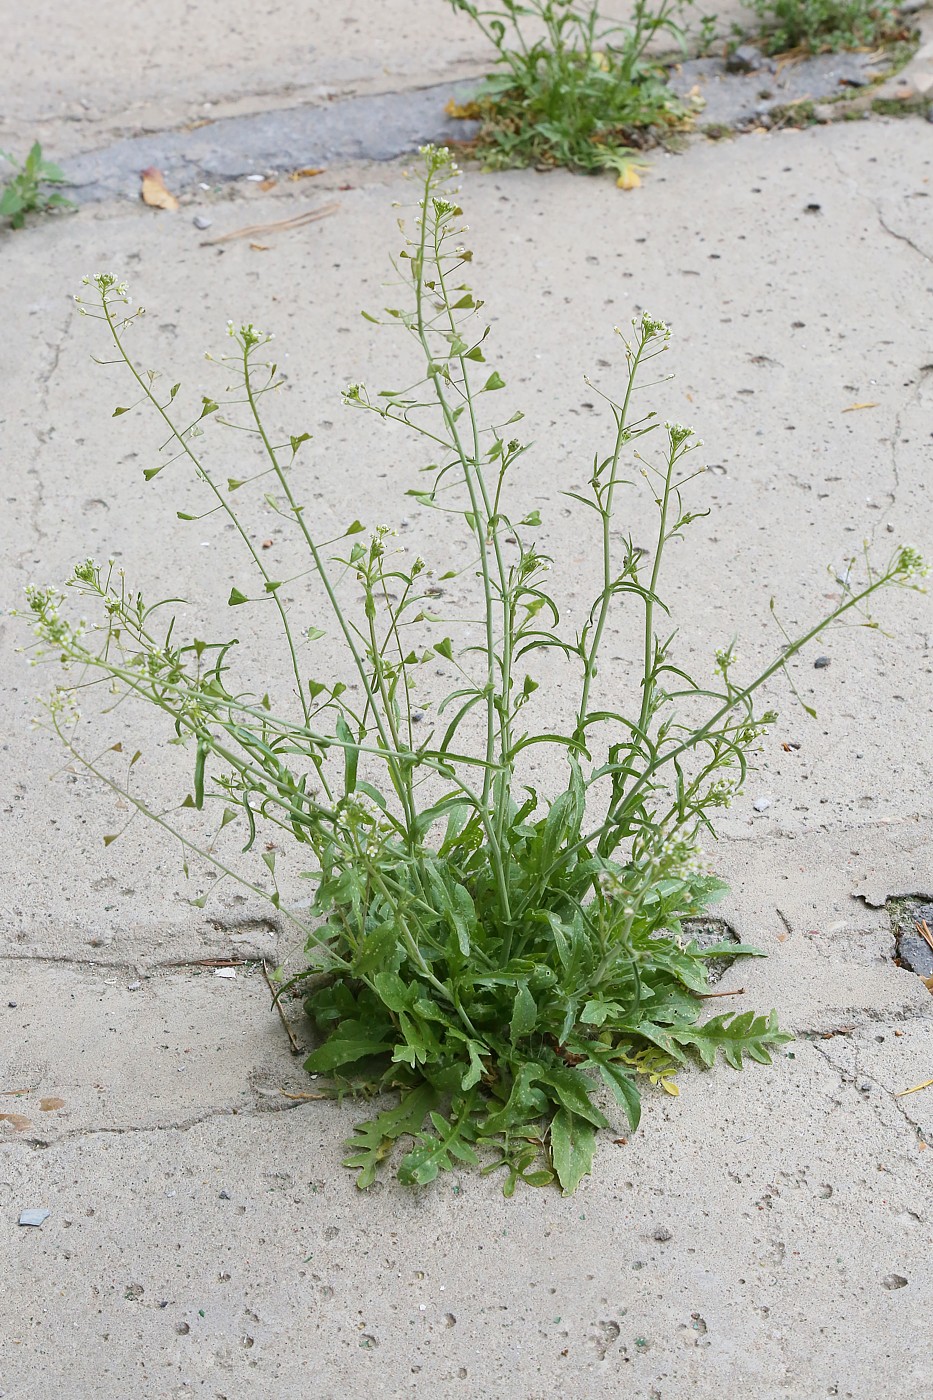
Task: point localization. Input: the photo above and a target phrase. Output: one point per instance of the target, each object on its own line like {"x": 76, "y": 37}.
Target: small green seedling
{"x": 22, "y": 194}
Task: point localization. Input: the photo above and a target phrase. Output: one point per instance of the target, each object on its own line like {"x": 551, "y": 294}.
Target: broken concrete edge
{"x": 389, "y": 126}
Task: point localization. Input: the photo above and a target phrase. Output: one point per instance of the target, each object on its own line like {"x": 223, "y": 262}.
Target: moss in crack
{"x": 912, "y": 106}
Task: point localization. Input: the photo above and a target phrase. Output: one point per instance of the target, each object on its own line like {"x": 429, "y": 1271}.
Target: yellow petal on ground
{"x": 153, "y": 190}
{"x": 854, "y": 407}
{"x": 629, "y": 179}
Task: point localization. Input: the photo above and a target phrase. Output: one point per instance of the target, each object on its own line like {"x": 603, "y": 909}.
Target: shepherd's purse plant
{"x": 489, "y": 956}
{"x": 571, "y": 89}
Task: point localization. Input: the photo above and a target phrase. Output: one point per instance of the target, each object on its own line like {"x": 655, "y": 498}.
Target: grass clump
{"x": 490, "y": 955}
{"x": 23, "y": 193}
{"x": 820, "y": 26}
{"x": 571, "y": 90}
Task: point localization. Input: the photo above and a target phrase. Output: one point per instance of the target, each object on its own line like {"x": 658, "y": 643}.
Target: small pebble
{"x": 662, "y": 1234}
{"x": 11, "y": 1005}
{"x": 202, "y": 221}
{"x": 821, "y": 663}
{"x": 225, "y": 1195}
{"x": 133, "y": 986}
{"x": 894, "y": 1281}
{"x": 761, "y": 804}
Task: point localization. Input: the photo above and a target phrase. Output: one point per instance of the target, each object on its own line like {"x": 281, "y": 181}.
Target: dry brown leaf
{"x": 17, "y": 1120}
{"x": 51, "y": 1103}
{"x": 279, "y": 226}
{"x": 153, "y": 190}
{"x": 854, "y": 407}
{"x": 307, "y": 172}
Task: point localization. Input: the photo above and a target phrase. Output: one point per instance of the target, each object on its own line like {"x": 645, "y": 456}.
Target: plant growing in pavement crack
{"x": 23, "y": 194}
{"x": 570, "y": 89}
{"x": 490, "y": 955}
{"x": 818, "y": 26}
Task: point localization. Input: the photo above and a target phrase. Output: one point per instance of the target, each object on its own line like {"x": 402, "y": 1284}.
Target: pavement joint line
{"x": 380, "y": 127}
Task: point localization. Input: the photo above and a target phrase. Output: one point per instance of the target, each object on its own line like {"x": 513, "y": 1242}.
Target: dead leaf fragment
{"x": 51, "y": 1103}
{"x": 463, "y": 111}
{"x": 307, "y": 172}
{"x": 18, "y": 1121}
{"x": 268, "y": 184}
{"x": 153, "y": 190}
{"x": 629, "y": 179}
{"x": 854, "y": 407}
{"x": 260, "y": 247}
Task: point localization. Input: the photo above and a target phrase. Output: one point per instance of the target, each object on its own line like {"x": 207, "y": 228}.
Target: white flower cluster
{"x": 650, "y": 327}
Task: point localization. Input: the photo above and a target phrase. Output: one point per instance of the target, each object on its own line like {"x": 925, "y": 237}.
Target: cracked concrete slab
{"x": 769, "y": 1264}
{"x": 113, "y": 1051}
{"x": 208, "y": 59}
{"x": 729, "y": 99}
{"x": 762, "y": 1236}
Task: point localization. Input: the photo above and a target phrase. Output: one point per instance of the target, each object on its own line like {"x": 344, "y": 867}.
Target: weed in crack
{"x": 491, "y": 955}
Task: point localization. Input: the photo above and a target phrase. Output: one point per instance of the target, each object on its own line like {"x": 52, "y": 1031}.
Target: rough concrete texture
{"x": 764, "y": 1236}
{"x": 99, "y": 69}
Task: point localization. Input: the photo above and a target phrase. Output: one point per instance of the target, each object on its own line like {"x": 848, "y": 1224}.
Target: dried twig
{"x": 279, "y": 226}
{"x": 923, "y": 928}
{"x": 296, "y": 1048}
{"x": 915, "y": 1089}
{"x": 708, "y": 996}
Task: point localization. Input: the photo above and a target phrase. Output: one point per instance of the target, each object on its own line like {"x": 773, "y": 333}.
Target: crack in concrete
{"x": 879, "y": 1095}
{"x": 184, "y": 1125}
{"x": 142, "y": 968}
{"x": 901, "y": 237}
{"x": 45, "y": 376}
